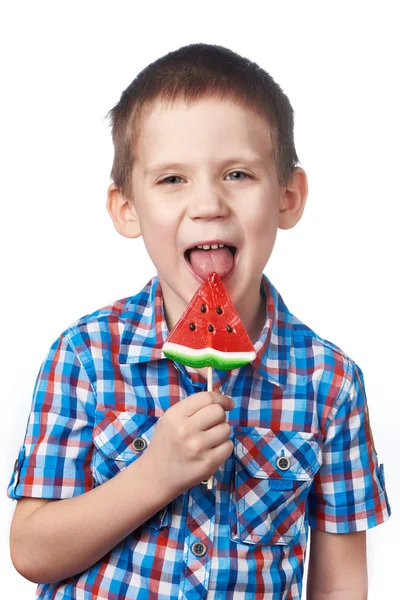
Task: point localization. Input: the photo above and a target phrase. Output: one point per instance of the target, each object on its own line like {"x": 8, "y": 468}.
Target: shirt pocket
{"x": 273, "y": 473}
{"x": 119, "y": 439}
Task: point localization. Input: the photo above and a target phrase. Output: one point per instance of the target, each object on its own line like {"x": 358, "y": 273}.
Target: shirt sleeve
{"x": 348, "y": 492}
{"x": 54, "y": 459}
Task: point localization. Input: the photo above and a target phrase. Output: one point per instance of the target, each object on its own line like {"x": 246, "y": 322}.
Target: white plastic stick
{"x": 209, "y": 379}
{"x": 209, "y": 389}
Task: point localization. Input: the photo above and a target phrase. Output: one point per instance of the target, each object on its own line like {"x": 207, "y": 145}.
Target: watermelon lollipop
{"x": 210, "y": 333}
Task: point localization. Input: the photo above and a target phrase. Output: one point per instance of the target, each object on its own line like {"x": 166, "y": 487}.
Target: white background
{"x": 65, "y": 64}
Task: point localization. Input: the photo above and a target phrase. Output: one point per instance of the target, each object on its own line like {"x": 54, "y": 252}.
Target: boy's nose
{"x": 207, "y": 204}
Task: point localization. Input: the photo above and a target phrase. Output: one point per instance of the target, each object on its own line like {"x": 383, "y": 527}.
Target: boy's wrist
{"x": 155, "y": 476}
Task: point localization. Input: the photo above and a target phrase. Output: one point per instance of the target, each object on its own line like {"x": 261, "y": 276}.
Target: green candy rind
{"x": 206, "y": 360}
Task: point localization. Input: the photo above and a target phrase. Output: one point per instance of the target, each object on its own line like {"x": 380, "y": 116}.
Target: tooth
{"x": 206, "y": 246}
{"x": 199, "y": 247}
{"x": 214, "y": 246}
{"x": 221, "y": 245}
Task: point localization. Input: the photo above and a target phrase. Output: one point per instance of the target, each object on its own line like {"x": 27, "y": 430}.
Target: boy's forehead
{"x": 161, "y": 111}
{"x": 206, "y": 124}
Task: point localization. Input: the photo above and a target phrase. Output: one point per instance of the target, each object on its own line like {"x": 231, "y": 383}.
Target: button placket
{"x": 199, "y": 537}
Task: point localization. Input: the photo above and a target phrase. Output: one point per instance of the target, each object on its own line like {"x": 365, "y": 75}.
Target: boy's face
{"x": 211, "y": 191}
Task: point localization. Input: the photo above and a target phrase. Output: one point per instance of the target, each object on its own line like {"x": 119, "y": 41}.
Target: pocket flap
{"x": 115, "y": 431}
{"x": 259, "y": 450}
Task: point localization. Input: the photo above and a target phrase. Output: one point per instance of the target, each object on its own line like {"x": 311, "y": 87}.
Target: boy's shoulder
{"x": 102, "y": 319}
{"x": 117, "y": 310}
{"x": 113, "y": 327}
{"x": 331, "y": 369}
{"x": 304, "y": 339}
{"x": 302, "y": 332}
{"x": 131, "y": 308}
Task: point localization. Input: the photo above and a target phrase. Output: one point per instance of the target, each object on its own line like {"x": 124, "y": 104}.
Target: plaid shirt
{"x": 303, "y": 454}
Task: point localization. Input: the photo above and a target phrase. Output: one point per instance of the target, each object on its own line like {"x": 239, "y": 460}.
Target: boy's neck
{"x": 258, "y": 322}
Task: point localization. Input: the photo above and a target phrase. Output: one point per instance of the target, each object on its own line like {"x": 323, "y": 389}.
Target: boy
{"x": 205, "y": 170}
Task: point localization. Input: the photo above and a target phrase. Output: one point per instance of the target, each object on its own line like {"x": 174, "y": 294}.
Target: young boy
{"x": 205, "y": 170}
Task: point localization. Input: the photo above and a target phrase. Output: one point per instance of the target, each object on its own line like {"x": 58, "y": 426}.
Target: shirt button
{"x": 139, "y": 444}
{"x": 199, "y": 549}
{"x": 283, "y": 463}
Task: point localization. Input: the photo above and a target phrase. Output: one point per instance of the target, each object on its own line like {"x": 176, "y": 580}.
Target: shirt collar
{"x": 145, "y": 331}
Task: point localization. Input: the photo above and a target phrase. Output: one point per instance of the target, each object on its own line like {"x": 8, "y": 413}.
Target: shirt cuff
{"x": 351, "y": 518}
{"x": 35, "y": 482}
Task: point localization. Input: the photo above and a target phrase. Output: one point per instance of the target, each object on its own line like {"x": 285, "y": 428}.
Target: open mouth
{"x": 204, "y": 260}
{"x": 188, "y": 252}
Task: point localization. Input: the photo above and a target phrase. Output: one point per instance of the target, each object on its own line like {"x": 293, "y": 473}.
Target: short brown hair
{"x": 191, "y": 73}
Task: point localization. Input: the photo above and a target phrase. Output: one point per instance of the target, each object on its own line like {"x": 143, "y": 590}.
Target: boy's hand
{"x": 191, "y": 440}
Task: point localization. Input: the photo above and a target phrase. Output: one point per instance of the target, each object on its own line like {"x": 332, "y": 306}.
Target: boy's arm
{"x": 65, "y": 537}
{"x": 337, "y": 568}
{"x": 347, "y": 497}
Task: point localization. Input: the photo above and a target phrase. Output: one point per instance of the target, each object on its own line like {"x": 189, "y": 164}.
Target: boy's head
{"x": 204, "y": 152}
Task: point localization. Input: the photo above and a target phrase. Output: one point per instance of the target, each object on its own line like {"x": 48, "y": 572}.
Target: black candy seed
{"x": 229, "y": 328}
{"x": 203, "y": 308}
{"x": 219, "y": 310}
{"x": 210, "y": 328}
{"x": 192, "y": 326}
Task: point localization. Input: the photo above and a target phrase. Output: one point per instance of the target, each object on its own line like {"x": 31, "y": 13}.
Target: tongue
{"x": 205, "y": 262}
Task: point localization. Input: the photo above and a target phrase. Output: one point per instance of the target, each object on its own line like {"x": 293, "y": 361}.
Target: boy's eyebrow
{"x": 161, "y": 166}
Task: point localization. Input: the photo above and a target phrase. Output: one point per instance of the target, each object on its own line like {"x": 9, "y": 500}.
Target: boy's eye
{"x": 177, "y": 177}
{"x": 242, "y": 172}
{"x": 169, "y": 177}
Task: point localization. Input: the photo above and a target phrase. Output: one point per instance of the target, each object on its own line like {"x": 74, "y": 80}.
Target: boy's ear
{"x": 122, "y": 213}
{"x": 293, "y": 199}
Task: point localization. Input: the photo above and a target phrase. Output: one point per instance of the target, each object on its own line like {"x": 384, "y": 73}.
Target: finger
{"x": 217, "y": 435}
{"x": 192, "y": 404}
{"x": 207, "y": 417}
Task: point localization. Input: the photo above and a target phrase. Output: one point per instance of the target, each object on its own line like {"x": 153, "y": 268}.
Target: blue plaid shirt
{"x": 303, "y": 453}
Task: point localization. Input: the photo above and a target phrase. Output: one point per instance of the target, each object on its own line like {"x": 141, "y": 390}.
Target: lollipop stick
{"x": 209, "y": 389}
{"x": 209, "y": 379}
